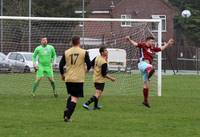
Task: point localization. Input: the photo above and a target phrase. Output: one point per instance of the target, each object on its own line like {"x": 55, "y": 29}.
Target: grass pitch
{"x": 175, "y": 114}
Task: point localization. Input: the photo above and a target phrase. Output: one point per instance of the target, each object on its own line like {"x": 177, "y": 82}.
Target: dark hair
{"x": 102, "y": 49}
{"x": 75, "y": 40}
{"x": 43, "y": 38}
{"x": 150, "y": 38}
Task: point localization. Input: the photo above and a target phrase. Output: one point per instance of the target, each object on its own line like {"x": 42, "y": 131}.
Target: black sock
{"x": 70, "y": 109}
{"x": 68, "y": 101}
{"x": 92, "y": 99}
{"x": 96, "y": 102}
{"x": 66, "y": 111}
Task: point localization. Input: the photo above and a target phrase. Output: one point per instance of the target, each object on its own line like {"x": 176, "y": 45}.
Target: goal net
{"x": 24, "y": 34}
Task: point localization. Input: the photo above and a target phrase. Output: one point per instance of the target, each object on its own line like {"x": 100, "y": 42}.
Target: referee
{"x": 74, "y": 60}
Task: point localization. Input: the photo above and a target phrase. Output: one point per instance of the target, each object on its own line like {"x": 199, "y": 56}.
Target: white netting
{"x": 94, "y": 35}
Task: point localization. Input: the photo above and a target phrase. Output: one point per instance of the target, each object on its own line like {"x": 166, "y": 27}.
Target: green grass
{"x": 175, "y": 114}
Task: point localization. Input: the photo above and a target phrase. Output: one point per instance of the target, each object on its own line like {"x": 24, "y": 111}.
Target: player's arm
{"x": 35, "y": 53}
{"x": 87, "y": 61}
{"x": 104, "y": 72}
{"x": 61, "y": 67}
{"x": 131, "y": 41}
{"x": 168, "y": 44}
{"x": 93, "y": 62}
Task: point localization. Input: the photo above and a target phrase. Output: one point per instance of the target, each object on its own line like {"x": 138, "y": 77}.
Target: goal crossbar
{"x": 77, "y": 19}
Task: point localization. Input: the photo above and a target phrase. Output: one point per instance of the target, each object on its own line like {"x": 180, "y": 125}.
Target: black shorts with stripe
{"x": 99, "y": 86}
{"x": 75, "y": 89}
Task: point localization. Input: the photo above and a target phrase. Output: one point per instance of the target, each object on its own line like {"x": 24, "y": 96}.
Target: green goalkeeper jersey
{"x": 45, "y": 55}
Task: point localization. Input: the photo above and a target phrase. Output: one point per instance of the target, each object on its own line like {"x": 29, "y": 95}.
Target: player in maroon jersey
{"x": 147, "y": 50}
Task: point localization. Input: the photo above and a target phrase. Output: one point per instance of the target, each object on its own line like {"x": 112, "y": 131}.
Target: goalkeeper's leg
{"x": 39, "y": 75}
{"x": 49, "y": 72}
{"x": 35, "y": 85}
{"x": 51, "y": 80}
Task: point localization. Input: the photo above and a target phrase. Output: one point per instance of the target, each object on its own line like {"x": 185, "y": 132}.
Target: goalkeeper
{"x": 45, "y": 55}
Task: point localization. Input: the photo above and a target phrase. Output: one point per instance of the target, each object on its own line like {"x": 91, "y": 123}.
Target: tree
{"x": 189, "y": 26}
{"x": 55, "y": 8}
{"x": 57, "y": 32}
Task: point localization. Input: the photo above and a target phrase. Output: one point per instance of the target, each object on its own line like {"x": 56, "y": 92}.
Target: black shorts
{"x": 99, "y": 86}
{"x": 75, "y": 89}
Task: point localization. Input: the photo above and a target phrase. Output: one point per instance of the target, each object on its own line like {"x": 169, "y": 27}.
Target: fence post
{"x": 1, "y": 26}
{"x": 197, "y": 60}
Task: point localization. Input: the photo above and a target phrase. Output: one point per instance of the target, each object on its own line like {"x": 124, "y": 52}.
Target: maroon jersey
{"x": 147, "y": 52}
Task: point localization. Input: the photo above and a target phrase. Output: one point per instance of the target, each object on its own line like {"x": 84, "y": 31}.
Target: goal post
{"x": 159, "y": 59}
{"x": 134, "y": 27}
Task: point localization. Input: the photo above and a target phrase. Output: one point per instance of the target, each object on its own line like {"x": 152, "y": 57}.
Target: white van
{"x": 116, "y": 58}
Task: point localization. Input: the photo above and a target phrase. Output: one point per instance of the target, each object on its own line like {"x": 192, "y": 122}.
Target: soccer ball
{"x": 186, "y": 14}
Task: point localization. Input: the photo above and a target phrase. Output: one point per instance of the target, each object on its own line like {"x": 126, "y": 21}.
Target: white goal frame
{"x": 158, "y": 21}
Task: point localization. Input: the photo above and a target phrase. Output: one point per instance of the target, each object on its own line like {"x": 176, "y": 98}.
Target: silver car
{"x": 20, "y": 61}
{"x": 4, "y": 65}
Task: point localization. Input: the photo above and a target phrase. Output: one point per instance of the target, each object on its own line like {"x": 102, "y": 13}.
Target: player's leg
{"x": 91, "y": 100}
{"x": 39, "y": 76}
{"x": 68, "y": 101}
{"x": 51, "y": 80}
{"x": 35, "y": 85}
{"x": 97, "y": 95}
{"x": 87, "y": 103}
{"x": 146, "y": 91}
{"x": 143, "y": 66}
{"x": 75, "y": 90}
{"x": 150, "y": 70}
{"x": 70, "y": 107}
{"x": 49, "y": 73}
{"x": 99, "y": 89}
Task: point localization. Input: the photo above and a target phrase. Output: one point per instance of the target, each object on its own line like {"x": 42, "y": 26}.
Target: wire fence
{"x": 182, "y": 60}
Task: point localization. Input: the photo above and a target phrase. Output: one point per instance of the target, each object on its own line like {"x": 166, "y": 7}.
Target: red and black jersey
{"x": 146, "y": 52}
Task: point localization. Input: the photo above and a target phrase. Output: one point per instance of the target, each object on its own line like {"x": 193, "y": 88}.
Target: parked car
{"x": 20, "y": 61}
{"x": 2, "y": 55}
{"x": 4, "y": 65}
{"x": 56, "y": 64}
